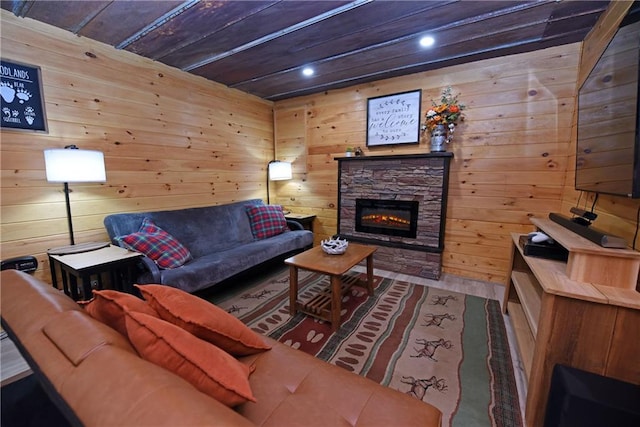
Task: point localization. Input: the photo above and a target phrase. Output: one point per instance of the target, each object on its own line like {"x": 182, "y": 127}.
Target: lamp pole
{"x": 66, "y": 198}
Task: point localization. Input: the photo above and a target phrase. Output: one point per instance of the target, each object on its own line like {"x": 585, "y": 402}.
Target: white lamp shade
{"x": 72, "y": 165}
{"x": 279, "y": 171}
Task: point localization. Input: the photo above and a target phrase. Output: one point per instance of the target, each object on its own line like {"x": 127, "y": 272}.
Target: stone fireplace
{"x": 399, "y": 204}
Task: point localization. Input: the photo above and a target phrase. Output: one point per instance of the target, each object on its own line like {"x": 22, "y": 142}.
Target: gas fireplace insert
{"x": 388, "y": 217}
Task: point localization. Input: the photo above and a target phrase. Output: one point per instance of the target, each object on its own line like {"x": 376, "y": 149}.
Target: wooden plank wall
{"x": 171, "y": 140}
{"x": 513, "y": 154}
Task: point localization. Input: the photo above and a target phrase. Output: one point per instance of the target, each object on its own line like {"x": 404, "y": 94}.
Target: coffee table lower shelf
{"x": 320, "y": 304}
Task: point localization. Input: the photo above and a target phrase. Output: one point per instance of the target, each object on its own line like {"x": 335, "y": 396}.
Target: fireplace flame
{"x": 390, "y": 220}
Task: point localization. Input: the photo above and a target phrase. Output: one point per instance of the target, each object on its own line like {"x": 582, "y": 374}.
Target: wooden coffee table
{"x": 327, "y": 304}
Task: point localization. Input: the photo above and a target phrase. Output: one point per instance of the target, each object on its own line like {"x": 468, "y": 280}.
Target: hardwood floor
{"x": 13, "y": 366}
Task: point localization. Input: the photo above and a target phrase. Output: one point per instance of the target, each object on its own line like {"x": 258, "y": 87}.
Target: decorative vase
{"x": 438, "y": 138}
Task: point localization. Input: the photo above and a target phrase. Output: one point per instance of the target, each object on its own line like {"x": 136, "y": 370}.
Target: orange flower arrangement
{"x": 447, "y": 113}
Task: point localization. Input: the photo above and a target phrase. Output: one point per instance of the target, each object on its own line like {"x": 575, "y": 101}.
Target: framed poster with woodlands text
{"x": 22, "y": 106}
{"x": 394, "y": 119}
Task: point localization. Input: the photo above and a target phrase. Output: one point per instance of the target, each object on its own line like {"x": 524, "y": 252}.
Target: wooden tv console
{"x": 583, "y": 313}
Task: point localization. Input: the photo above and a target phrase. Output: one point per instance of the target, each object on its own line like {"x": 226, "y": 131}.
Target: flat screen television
{"x": 608, "y": 146}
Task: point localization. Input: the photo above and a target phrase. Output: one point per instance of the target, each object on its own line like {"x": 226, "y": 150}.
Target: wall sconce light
{"x": 278, "y": 171}
{"x": 73, "y": 165}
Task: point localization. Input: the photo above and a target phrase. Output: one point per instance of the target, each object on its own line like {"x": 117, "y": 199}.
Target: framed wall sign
{"x": 22, "y": 106}
{"x": 394, "y": 119}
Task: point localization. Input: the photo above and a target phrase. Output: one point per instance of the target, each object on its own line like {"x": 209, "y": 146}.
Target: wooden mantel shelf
{"x": 396, "y": 156}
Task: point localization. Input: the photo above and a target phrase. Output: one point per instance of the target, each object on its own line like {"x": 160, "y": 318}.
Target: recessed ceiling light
{"x": 307, "y": 71}
{"x": 427, "y": 41}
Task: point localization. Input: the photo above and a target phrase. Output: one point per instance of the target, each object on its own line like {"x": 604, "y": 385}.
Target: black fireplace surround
{"x": 389, "y": 217}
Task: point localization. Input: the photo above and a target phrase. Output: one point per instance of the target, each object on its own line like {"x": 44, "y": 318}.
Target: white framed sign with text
{"x": 394, "y": 119}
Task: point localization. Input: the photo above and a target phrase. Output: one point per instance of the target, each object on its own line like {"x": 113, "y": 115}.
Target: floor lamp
{"x": 278, "y": 171}
{"x": 73, "y": 165}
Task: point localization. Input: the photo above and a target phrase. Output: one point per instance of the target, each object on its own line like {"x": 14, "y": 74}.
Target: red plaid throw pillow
{"x": 266, "y": 220}
{"x": 157, "y": 244}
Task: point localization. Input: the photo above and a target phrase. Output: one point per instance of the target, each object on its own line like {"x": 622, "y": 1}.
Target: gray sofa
{"x": 219, "y": 238}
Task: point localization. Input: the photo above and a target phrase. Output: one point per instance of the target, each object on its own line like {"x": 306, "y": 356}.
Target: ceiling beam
{"x": 157, "y": 23}
{"x": 277, "y": 34}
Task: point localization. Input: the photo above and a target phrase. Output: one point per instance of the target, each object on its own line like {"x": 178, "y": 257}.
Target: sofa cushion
{"x": 218, "y": 266}
{"x": 109, "y": 307}
{"x": 295, "y": 388}
{"x": 157, "y": 244}
{"x": 203, "y": 319}
{"x": 205, "y": 366}
{"x": 266, "y": 220}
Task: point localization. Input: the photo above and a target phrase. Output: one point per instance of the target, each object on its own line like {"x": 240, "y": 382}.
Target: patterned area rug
{"x": 444, "y": 348}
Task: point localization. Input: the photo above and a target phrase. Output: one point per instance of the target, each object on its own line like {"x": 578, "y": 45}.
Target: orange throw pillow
{"x": 205, "y": 366}
{"x": 109, "y": 307}
{"x": 203, "y": 319}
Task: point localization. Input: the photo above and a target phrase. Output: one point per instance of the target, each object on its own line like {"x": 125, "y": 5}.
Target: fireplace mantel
{"x": 444, "y": 154}
{"x": 412, "y": 177}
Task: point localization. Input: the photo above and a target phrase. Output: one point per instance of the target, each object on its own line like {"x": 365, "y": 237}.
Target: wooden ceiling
{"x": 261, "y": 47}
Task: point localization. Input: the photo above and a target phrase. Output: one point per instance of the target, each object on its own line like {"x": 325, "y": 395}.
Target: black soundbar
{"x": 590, "y": 233}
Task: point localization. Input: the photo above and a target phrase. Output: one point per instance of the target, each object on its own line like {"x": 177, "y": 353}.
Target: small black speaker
{"x": 24, "y": 263}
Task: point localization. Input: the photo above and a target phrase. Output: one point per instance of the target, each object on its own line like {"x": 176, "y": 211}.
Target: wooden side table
{"x": 306, "y": 221}
{"x": 79, "y": 268}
